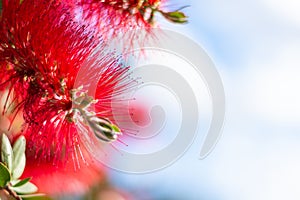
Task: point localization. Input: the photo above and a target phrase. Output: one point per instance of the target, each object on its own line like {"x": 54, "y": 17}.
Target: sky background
{"x": 255, "y": 46}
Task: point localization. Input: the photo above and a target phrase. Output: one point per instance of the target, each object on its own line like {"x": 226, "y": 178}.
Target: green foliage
{"x": 22, "y": 182}
{"x": 4, "y": 175}
{"x": 12, "y": 165}
{"x": 6, "y": 152}
{"x": 19, "y": 159}
{"x": 27, "y": 188}
{"x": 35, "y": 197}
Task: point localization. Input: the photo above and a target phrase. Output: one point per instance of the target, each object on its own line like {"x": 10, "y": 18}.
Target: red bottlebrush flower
{"x": 114, "y": 15}
{"x": 128, "y": 21}
{"x": 122, "y": 14}
{"x": 42, "y": 51}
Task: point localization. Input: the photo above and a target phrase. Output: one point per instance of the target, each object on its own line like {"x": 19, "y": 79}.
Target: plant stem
{"x": 11, "y": 192}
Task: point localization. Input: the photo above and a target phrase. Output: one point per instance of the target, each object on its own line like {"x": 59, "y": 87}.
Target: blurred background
{"x": 255, "y": 46}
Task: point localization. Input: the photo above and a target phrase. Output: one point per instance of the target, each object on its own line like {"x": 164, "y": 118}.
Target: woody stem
{"x": 11, "y": 192}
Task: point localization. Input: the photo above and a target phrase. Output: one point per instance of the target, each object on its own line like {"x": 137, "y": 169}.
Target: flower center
{"x": 103, "y": 128}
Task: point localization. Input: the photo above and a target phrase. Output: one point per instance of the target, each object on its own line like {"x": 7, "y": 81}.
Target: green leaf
{"x": 27, "y": 188}
{"x": 4, "y": 175}
{"x": 22, "y": 182}
{"x": 39, "y": 196}
{"x": 19, "y": 159}
{"x": 19, "y": 167}
{"x": 6, "y": 152}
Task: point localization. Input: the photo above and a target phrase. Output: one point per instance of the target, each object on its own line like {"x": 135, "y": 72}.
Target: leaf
{"x": 22, "y": 182}
{"x": 19, "y": 167}
{"x": 19, "y": 159}
{"x": 27, "y": 188}
{"x": 6, "y": 152}
{"x": 39, "y": 196}
{"x": 4, "y": 175}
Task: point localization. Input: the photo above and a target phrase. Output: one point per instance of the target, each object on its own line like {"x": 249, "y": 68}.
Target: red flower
{"x": 119, "y": 15}
{"x": 126, "y": 24}
{"x": 42, "y": 54}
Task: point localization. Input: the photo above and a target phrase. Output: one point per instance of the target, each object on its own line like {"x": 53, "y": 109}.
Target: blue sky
{"x": 255, "y": 46}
